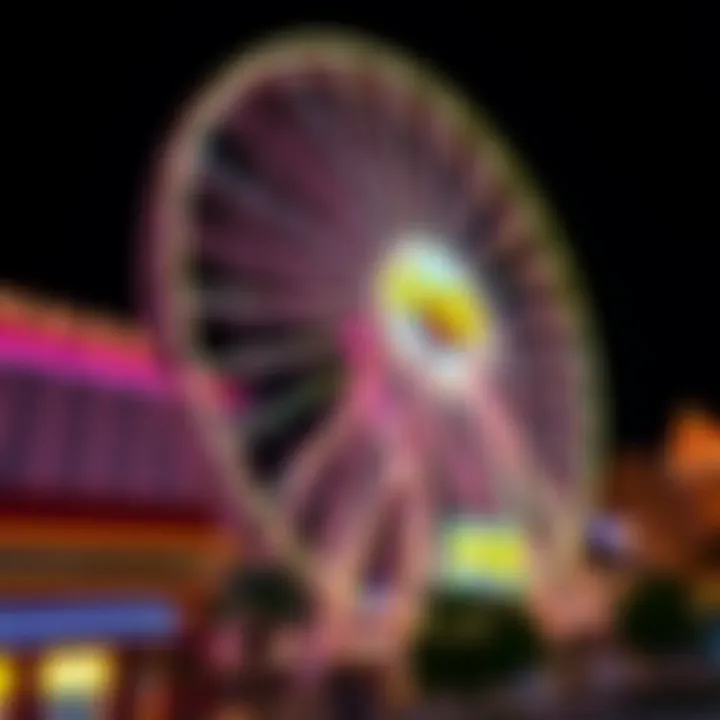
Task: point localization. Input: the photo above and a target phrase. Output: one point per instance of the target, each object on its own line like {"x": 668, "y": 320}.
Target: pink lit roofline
{"x": 70, "y": 360}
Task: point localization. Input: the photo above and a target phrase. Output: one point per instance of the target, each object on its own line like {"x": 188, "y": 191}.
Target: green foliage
{"x": 470, "y": 643}
{"x": 657, "y": 618}
{"x": 265, "y": 593}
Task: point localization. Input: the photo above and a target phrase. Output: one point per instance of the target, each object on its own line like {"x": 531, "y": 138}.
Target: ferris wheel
{"x": 339, "y": 233}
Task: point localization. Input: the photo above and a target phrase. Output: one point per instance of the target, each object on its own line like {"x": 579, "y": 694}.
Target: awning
{"x": 31, "y": 624}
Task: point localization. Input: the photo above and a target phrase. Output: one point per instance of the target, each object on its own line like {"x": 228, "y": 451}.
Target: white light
{"x": 436, "y": 321}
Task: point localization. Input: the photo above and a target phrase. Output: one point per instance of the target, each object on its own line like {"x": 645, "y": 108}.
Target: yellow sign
{"x": 80, "y": 671}
{"x": 484, "y": 553}
{"x": 7, "y": 679}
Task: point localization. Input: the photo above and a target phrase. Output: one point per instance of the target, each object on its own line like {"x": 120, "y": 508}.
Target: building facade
{"x": 111, "y": 532}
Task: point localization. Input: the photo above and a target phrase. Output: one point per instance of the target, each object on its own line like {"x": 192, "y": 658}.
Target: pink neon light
{"x": 360, "y": 343}
{"x": 77, "y": 358}
{"x": 68, "y": 358}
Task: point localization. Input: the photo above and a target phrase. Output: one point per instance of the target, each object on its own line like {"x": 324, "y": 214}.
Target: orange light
{"x": 694, "y": 446}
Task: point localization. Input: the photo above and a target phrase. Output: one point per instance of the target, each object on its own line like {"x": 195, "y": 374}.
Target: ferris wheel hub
{"x": 434, "y": 317}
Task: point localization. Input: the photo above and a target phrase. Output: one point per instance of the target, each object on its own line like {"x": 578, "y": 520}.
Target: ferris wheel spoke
{"x": 538, "y": 275}
{"x": 442, "y": 188}
{"x": 425, "y": 193}
{"x": 297, "y": 162}
{"x": 326, "y": 129}
{"x": 522, "y": 478}
{"x": 275, "y": 230}
{"x": 400, "y": 191}
{"x": 487, "y": 192}
{"x": 265, "y": 261}
{"x": 303, "y": 469}
{"x": 375, "y": 169}
{"x": 256, "y": 254}
{"x": 513, "y": 233}
{"x": 229, "y": 198}
{"x": 253, "y": 362}
{"x": 461, "y": 208}
{"x": 379, "y": 182}
{"x": 247, "y": 308}
{"x": 399, "y": 470}
{"x": 459, "y": 478}
{"x": 395, "y": 158}
{"x": 416, "y": 543}
{"x": 272, "y": 416}
{"x": 554, "y": 422}
{"x": 467, "y": 484}
{"x": 547, "y": 325}
{"x": 332, "y": 130}
{"x": 358, "y": 486}
{"x": 350, "y": 551}
{"x": 484, "y": 218}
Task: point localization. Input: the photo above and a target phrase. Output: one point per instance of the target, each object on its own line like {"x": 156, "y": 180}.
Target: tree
{"x": 657, "y": 618}
{"x": 268, "y": 591}
{"x": 263, "y": 599}
{"x": 470, "y": 643}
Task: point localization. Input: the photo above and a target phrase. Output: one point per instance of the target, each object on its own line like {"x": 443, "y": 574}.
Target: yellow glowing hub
{"x": 449, "y": 313}
{"x": 430, "y": 302}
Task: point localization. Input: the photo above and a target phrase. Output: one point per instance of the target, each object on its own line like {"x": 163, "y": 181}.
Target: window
{"x": 76, "y": 684}
{"x": 7, "y": 685}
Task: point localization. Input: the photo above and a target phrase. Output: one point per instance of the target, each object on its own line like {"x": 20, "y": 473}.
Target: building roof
{"x": 57, "y": 339}
{"x": 88, "y": 411}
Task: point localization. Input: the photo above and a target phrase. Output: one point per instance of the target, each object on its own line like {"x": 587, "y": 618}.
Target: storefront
{"x": 111, "y": 534}
{"x": 101, "y": 615}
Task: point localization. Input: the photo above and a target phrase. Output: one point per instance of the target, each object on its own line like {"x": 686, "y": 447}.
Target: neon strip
{"x": 21, "y": 626}
{"x": 74, "y": 359}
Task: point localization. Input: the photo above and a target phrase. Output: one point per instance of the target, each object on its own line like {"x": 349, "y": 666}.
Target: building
{"x": 671, "y": 498}
{"x": 640, "y": 492}
{"x": 111, "y": 540}
{"x": 692, "y": 460}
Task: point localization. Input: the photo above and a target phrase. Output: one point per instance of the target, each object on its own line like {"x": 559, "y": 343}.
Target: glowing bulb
{"x": 434, "y": 315}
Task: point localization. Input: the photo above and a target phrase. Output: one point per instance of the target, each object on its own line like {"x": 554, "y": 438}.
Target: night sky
{"x": 611, "y": 112}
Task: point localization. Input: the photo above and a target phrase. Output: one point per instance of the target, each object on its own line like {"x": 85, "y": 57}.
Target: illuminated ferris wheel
{"x": 341, "y": 235}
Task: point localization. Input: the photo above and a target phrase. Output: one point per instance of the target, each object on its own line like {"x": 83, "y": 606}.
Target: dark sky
{"x": 612, "y": 111}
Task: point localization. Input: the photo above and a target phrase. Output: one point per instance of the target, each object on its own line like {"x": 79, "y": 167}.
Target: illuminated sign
{"x": 22, "y": 626}
{"x": 7, "y": 680}
{"x": 483, "y": 555}
{"x": 76, "y": 682}
{"x": 74, "y": 672}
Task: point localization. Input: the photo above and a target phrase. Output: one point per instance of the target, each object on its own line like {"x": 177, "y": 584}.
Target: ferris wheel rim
{"x": 279, "y": 54}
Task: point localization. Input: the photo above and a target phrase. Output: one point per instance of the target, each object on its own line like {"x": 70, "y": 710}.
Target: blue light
{"x": 23, "y": 625}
